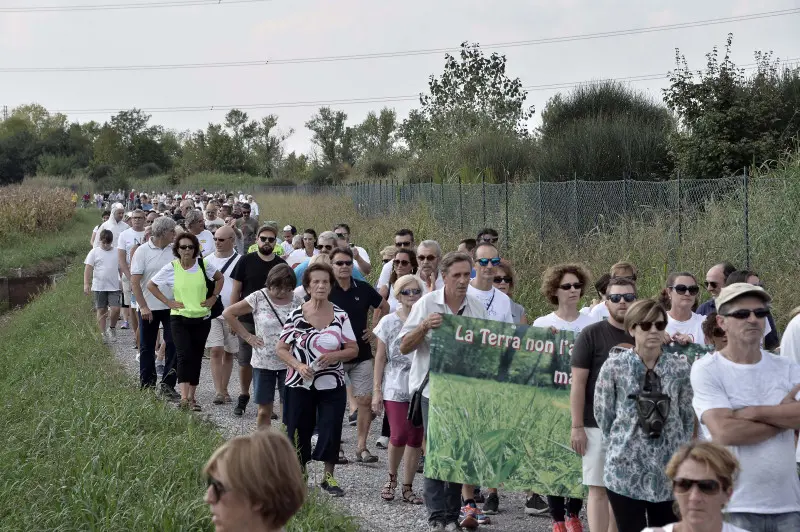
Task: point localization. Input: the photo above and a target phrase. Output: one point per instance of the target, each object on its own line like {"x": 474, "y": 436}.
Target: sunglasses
{"x": 681, "y": 289}
{"x": 707, "y": 487}
{"x": 423, "y": 258}
{"x": 186, "y": 246}
{"x": 647, "y": 325}
{"x": 410, "y": 292}
{"x": 216, "y": 239}
{"x": 270, "y": 239}
{"x": 402, "y": 244}
{"x": 567, "y": 286}
{"x": 616, "y": 298}
{"x": 401, "y": 262}
{"x": 343, "y": 263}
{"x": 485, "y": 262}
{"x": 386, "y": 260}
{"x": 326, "y": 247}
{"x": 501, "y": 279}
{"x": 743, "y": 314}
{"x": 490, "y": 239}
{"x": 711, "y": 285}
{"x": 341, "y": 235}
{"x": 217, "y": 487}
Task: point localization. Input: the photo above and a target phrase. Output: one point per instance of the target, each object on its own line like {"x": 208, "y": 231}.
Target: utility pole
{"x": 5, "y": 112}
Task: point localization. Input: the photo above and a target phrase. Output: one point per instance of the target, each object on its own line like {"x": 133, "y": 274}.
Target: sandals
{"x": 218, "y": 399}
{"x": 342, "y": 458}
{"x": 365, "y": 457}
{"x": 387, "y": 493}
{"x": 409, "y": 496}
{"x": 195, "y": 407}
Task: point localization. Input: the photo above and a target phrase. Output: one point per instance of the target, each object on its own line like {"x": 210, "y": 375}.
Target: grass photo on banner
{"x": 499, "y": 407}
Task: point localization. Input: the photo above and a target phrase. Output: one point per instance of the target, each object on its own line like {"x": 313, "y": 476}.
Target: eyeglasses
{"x": 744, "y": 313}
{"x": 216, "y": 239}
{"x": 485, "y": 262}
{"x": 386, "y": 260}
{"x": 410, "y": 292}
{"x": 616, "y": 298}
{"x": 706, "y": 486}
{"x": 711, "y": 285}
{"x": 270, "y": 239}
{"x": 186, "y": 246}
{"x": 403, "y": 244}
{"x": 567, "y": 286}
{"x": 217, "y": 487}
{"x": 343, "y": 263}
{"x": 401, "y": 262}
{"x": 500, "y": 279}
{"x": 647, "y": 325}
{"x": 326, "y": 247}
{"x": 490, "y": 239}
{"x": 681, "y": 289}
{"x": 429, "y": 258}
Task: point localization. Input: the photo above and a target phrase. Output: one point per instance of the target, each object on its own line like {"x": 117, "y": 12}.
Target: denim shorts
{"x": 264, "y": 382}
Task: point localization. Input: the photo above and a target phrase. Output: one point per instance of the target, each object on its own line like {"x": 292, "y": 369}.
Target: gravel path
{"x": 362, "y": 483}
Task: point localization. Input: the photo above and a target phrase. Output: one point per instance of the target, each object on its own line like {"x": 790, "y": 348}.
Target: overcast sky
{"x": 286, "y": 29}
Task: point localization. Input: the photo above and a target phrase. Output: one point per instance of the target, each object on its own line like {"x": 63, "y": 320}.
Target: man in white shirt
{"x": 114, "y": 224}
{"x": 221, "y": 340}
{"x": 443, "y": 499}
{"x": 403, "y": 239}
{"x": 497, "y": 304}
{"x": 147, "y": 261}
{"x": 429, "y": 253}
{"x": 746, "y": 398}
{"x": 213, "y": 221}
{"x": 254, "y": 211}
{"x": 360, "y": 258}
{"x": 132, "y": 236}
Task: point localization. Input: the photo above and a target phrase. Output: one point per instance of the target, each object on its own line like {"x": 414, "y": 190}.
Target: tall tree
{"x": 331, "y": 135}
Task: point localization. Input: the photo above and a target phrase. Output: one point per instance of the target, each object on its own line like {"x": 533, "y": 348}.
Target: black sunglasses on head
{"x": 681, "y": 289}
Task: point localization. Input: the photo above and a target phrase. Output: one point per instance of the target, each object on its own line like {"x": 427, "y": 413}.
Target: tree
{"x": 728, "y": 120}
{"x": 267, "y": 149}
{"x": 18, "y": 156}
{"x": 331, "y": 135}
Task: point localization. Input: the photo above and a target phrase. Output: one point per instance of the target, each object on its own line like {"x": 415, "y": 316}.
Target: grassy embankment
{"x": 212, "y": 181}
{"x": 83, "y": 448}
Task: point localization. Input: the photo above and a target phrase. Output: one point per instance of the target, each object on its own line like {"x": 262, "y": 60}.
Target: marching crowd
{"x": 706, "y": 447}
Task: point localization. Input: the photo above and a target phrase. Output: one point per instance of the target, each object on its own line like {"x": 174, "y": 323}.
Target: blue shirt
{"x": 707, "y": 308}
{"x": 301, "y": 268}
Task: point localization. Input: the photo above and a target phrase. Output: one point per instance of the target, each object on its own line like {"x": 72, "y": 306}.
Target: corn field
{"x": 32, "y": 210}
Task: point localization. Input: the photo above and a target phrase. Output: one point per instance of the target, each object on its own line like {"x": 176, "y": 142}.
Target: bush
{"x": 57, "y": 165}
{"x": 147, "y": 170}
{"x": 100, "y": 171}
{"x": 113, "y": 182}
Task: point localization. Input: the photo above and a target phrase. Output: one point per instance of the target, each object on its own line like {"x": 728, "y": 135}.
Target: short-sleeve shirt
{"x": 219, "y": 263}
{"x": 497, "y": 304}
{"x": 166, "y": 277}
{"x": 269, "y": 325}
{"x": 590, "y": 352}
{"x": 357, "y": 301}
{"x": 147, "y": 262}
{"x": 309, "y": 343}
{"x": 252, "y": 272}
{"x": 576, "y": 326}
{"x": 105, "y": 275}
{"x": 206, "y": 240}
{"x": 693, "y": 327}
{"x": 127, "y": 239}
{"x": 300, "y": 269}
{"x": 398, "y": 365}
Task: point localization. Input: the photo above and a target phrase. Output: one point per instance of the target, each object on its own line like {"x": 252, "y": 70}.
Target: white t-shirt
{"x": 693, "y": 327}
{"x": 216, "y": 223}
{"x": 105, "y": 276}
{"x": 288, "y": 248}
{"x": 726, "y": 527}
{"x": 398, "y": 365}
{"x": 551, "y": 320}
{"x": 217, "y": 263}
{"x": 129, "y": 238}
{"x": 254, "y": 208}
{"x": 599, "y": 312}
{"x": 297, "y": 256}
{"x": 364, "y": 255}
{"x": 115, "y": 228}
{"x": 147, "y": 262}
{"x": 496, "y": 303}
{"x": 166, "y": 277}
{"x": 768, "y": 481}
{"x": 206, "y": 240}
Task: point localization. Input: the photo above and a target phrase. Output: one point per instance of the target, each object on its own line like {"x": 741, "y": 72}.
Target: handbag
{"x": 217, "y": 307}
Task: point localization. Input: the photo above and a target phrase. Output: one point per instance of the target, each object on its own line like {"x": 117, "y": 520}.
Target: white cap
{"x": 287, "y": 228}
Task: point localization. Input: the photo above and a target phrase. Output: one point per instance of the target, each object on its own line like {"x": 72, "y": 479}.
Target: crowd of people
{"x": 664, "y": 445}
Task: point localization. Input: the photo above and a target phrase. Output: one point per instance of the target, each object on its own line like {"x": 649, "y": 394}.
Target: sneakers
{"x": 168, "y": 392}
{"x": 559, "y": 527}
{"x": 124, "y": 325}
{"x": 480, "y": 516}
{"x": 467, "y": 518}
{"x": 382, "y": 442}
{"x": 574, "y": 524}
{"x": 477, "y": 495}
{"x": 113, "y": 332}
{"x": 535, "y": 505}
{"x": 330, "y": 486}
{"x": 492, "y": 504}
{"x": 435, "y": 527}
{"x": 241, "y": 405}
{"x": 352, "y": 420}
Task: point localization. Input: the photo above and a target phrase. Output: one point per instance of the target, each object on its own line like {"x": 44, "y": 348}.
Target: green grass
{"x": 83, "y": 448}
{"x": 26, "y": 251}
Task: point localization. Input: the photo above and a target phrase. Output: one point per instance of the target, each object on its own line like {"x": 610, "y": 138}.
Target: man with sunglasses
{"x": 588, "y": 356}
{"x": 248, "y": 226}
{"x": 715, "y": 280}
{"x": 249, "y": 276}
{"x": 357, "y": 297}
{"x": 429, "y": 253}
{"x": 360, "y": 255}
{"x": 326, "y": 243}
{"x": 746, "y": 398}
{"x": 403, "y": 239}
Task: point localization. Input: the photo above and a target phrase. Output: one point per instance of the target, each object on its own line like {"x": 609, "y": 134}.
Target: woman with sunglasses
{"x": 702, "y": 475}
{"x": 504, "y": 279}
{"x": 563, "y": 285}
{"x": 404, "y": 263}
{"x": 643, "y": 405}
{"x": 680, "y": 297}
{"x": 390, "y": 390}
{"x": 185, "y": 279}
{"x": 308, "y": 250}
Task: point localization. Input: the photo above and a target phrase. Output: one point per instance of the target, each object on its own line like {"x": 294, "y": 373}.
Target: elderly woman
{"x": 702, "y": 475}
{"x": 254, "y": 483}
{"x": 643, "y": 405}
{"x": 404, "y": 263}
{"x": 270, "y": 309}
{"x": 190, "y": 309}
{"x": 505, "y": 280}
{"x": 391, "y": 390}
{"x": 317, "y": 338}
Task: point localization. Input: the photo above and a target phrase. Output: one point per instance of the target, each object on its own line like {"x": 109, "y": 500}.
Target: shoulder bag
{"x": 217, "y": 307}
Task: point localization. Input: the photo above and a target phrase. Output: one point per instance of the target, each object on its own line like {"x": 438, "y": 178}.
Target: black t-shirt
{"x": 590, "y": 352}
{"x": 252, "y": 272}
{"x": 356, "y": 302}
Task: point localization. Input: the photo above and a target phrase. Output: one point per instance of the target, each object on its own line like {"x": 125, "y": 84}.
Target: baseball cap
{"x": 287, "y": 228}
{"x": 737, "y": 290}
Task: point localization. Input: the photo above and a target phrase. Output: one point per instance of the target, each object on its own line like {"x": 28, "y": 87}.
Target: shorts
{"x": 595, "y": 458}
{"x": 221, "y": 335}
{"x": 360, "y": 374}
{"x": 264, "y": 382}
{"x": 245, "y": 353}
{"x": 106, "y": 299}
{"x": 126, "y": 292}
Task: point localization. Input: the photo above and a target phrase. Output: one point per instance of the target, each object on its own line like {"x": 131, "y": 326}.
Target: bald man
{"x": 221, "y": 341}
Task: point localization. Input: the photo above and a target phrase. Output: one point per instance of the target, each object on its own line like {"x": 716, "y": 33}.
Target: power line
{"x": 405, "y": 53}
{"x": 377, "y": 99}
{"x": 130, "y": 5}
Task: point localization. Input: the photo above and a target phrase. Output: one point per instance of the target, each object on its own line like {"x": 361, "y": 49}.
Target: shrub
{"x": 100, "y": 171}
{"x": 57, "y": 165}
{"x": 147, "y": 170}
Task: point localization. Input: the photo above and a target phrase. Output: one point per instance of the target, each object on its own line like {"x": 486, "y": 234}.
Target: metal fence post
{"x": 460, "y": 205}
{"x": 483, "y": 192}
{"x": 508, "y": 236}
{"x": 575, "y": 203}
{"x": 747, "y": 219}
{"x": 625, "y": 207}
{"x": 541, "y": 214}
{"x": 680, "y": 211}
